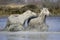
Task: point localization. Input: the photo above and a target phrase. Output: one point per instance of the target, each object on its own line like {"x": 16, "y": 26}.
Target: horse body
{"x": 39, "y": 22}
{"x": 20, "y": 18}
{"x": 13, "y": 18}
{"x": 25, "y": 16}
{"x": 16, "y": 20}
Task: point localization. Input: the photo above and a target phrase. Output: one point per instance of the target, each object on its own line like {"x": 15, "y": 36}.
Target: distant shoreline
{"x": 19, "y": 9}
{"x": 6, "y": 16}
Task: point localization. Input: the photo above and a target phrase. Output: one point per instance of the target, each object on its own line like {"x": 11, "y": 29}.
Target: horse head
{"x": 45, "y": 11}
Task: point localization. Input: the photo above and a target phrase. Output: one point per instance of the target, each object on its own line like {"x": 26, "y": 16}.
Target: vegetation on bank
{"x": 8, "y": 10}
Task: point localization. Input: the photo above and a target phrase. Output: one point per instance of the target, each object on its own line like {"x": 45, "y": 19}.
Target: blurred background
{"x": 8, "y": 7}
{"x": 53, "y": 5}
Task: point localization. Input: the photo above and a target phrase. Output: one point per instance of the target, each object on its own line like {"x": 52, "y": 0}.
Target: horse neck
{"x": 42, "y": 16}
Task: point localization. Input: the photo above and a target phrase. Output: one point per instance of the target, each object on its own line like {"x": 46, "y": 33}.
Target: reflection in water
{"x": 52, "y": 36}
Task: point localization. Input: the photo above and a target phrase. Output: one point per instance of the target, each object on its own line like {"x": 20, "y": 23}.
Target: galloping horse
{"x": 33, "y": 22}
{"x": 15, "y": 21}
{"x": 38, "y": 23}
{"x": 20, "y": 18}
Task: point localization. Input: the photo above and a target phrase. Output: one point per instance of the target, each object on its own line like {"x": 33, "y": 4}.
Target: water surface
{"x": 52, "y": 22}
{"x": 3, "y": 22}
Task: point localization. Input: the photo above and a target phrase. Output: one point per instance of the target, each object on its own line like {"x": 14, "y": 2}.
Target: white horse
{"x": 39, "y": 22}
{"x": 20, "y": 18}
{"x": 16, "y": 20}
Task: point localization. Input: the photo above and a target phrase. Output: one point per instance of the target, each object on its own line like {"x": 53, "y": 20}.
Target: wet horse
{"x": 20, "y": 18}
{"x": 38, "y": 23}
{"x": 15, "y": 21}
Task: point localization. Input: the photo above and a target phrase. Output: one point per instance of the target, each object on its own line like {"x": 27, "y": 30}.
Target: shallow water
{"x": 3, "y": 22}
{"x": 52, "y": 36}
{"x": 52, "y": 22}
